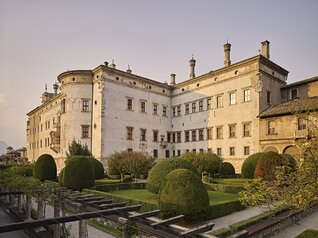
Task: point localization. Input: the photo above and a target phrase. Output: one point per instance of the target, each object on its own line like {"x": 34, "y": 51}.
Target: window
{"x": 232, "y": 131}
{"x": 271, "y": 127}
{"x": 143, "y": 134}
{"x": 294, "y": 93}
{"x": 201, "y": 136}
{"x": 232, "y": 98}
{"x": 219, "y": 101}
{"x": 193, "y": 106}
{"x": 194, "y": 151}
{"x": 85, "y": 131}
{"x": 209, "y": 133}
{"x": 219, "y": 151}
{"x": 219, "y": 132}
{"x": 209, "y": 150}
{"x": 155, "y": 136}
{"x": 246, "y": 150}
{"x": 232, "y": 150}
{"x": 179, "y": 137}
{"x": 129, "y": 133}
{"x": 173, "y": 153}
{"x": 164, "y": 111}
{"x": 201, "y": 150}
{"x": 168, "y": 136}
{"x": 167, "y": 153}
{"x": 63, "y": 106}
{"x": 155, "y": 109}
{"x": 187, "y": 109}
{"x": 301, "y": 123}
{"x": 129, "y": 104}
{"x": 247, "y": 95}
{"x": 173, "y": 111}
{"x": 208, "y": 103}
{"x": 129, "y": 149}
{"x": 142, "y": 106}
{"x": 178, "y": 110}
{"x": 173, "y": 137}
{"x": 269, "y": 97}
{"x": 85, "y": 105}
{"x": 194, "y": 135}
{"x": 179, "y": 152}
{"x": 200, "y": 106}
{"x": 246, "y": 129}
{"x": 186, "y": 136}
{"x": 155, "y": 153}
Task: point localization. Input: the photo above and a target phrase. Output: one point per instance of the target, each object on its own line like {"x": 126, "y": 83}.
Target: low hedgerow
{"x": 120, "y": 186}
{"x": 223, "y": 209}
{"x": 224, "y": 188}
{"x": 23, "y": 170}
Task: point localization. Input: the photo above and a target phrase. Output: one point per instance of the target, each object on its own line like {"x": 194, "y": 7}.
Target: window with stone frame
{"x": 187, "y": 136}
{"x": 143, "y": 134}
{"x": 193, "y": 107}
{"x": 232, "y": 98}
{"x": 179, "y": 137}
{"x": 294, "y": 93}
{"x": 155, "y": 109}
{"x": 219, "y": 102}
{"x": 246, "y": 150}
{"x": 155, "y": 135}
{"x": 209, "y": 134}
{"x": 232, "y": 131}
{"x": 174, "y": 111}
{"x": 219, "y": 151}
{"x": 271, "y": 128}
{"x": 85, "y": 105}
{"x": 208, "y": 103}
{"x": 85, "y": 131}
{"x": 232, "y": 151}
{"x": 164, "y": 111}
{"x": 201, "y": 135}
{"x": 129, "y": 104}
{"x": 301, "y": 123}
{"x": 200, "y": 106}
{"x": 246, "y": 129}
{"x": 219, "y": 132}
{"x": 194, "y": 135}
{"x": 187, "y": 110}
{"x": 129, "y": 132}
{"x": 178, "y": 110}
{"x": 269, "y": 97}
{"x": 142, "y": 106}
{"x": 247, "y": 95}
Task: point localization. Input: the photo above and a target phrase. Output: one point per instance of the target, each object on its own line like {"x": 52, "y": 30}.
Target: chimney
{"x": 192, "y": 65}
{"x": 113, "y": 65}
{"x": 227, "y": 58}
{"x": 173, "y": 79}
{"x": 106, "y": 63}
{"x": 265, "y": 49}
{"x": 129, "y": 70}
{"x": 55, "y": 88}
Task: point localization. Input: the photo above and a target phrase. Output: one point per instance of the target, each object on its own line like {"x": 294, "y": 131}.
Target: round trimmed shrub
{"x": 204, "y": 162}
{"x": 79, "y": 173}
{"x": 158, "y": 173}
{"x": 45, "y": 168}
{"x": 98, "y": 167}
{"x": 265, "y": 166}
{"x": 290, "y": 161}
{"x": 61, "y": 177}
{"x": 248, "y": 166}
{"x": 226, "y": 169}
{"x": 183, "y": 193}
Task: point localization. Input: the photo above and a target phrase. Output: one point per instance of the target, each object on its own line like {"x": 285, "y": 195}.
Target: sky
{"x": 39, "y": 39}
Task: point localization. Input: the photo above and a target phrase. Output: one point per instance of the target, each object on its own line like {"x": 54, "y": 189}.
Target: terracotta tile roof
{"x": 291, "y": 107}
{"x": 305, "y": 81}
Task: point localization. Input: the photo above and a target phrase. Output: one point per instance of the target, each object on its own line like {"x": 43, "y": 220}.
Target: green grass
{"x": 106, "y": 181}
{"x": 146, "y": 196}
{"x": 231, "y": 180}
{"x": 308, "y": 234}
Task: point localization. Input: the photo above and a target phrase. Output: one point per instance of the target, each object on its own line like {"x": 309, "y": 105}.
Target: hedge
{"x": 23, "y": 170}
{"x": 265, "y": 166}
{"x": 158, "y": 173}
{"x": 226, "y": 169}
{"x": 45, "y": 168}
{"x": 224, "y": 188}
{"x": 290, "y": 161}
{"x": 98, "y": 167}
{"x": 61, "y": 177}
{"x": 223, "y": 209}
{"x": 120, "y": 186}
{"x": 248, "y": 166}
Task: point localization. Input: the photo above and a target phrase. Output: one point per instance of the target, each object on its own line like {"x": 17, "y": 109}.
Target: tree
{"x": 77, "y": 149}
{"x": 138, "y": 163}
{"x": 45, "y": 168}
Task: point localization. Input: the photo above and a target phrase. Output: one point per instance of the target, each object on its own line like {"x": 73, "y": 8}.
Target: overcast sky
{"x": 39, "y": 39}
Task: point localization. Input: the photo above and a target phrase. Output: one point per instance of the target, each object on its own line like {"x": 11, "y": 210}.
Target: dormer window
{"x": 293, "y": 93}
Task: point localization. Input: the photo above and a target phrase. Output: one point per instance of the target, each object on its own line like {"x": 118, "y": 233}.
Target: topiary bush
{"x": 290, "y": 161}
{"x": 265, "y": 166}
{"x": 226, "y": 169}
{"x": 248, "y": 166}
{"x": 79, "y": 173}
{"x": 204, "y": 162}
{"x": 183, "y": 193}
{"x": 45, "y": 168}
{"x": 158, "y": 173}
{"x": 61, "y": 177}
{"x": 98, "y": 167}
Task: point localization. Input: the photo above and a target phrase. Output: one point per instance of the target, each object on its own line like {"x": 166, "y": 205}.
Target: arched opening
{"x": 271, "y": 148}
{"x": 293, "y": 151}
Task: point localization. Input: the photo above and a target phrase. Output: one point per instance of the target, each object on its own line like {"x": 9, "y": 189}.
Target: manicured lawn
{"x": 308, "y": 234}
{"x": 145, "y": 196}
{"x": 107, "y": 181}
{"x": 232, "y": 180}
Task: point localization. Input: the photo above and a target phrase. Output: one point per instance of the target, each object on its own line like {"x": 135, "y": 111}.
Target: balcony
{"x": 163, "y": 144}
{"x": 298, "y": 134}
{"x": 55, "y": 141}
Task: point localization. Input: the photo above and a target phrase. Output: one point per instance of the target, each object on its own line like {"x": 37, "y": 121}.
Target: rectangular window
{"x": 179, "y": 137}
{"x": 269, "y": 97}
{"x": 186, "y": 136}
{"x": 168, "y": 136}
{"x": 63, "y": 106}
{"x": 247, "y": 95}
{"x": 167, "y": 153}
{"x": 85, "y": 131}
{"x": 129, "y": 104}
{"x": 193, "y": 107}
{"x": 208, "y": 104}
{"x": 173, "y": 137}
{"x": 129, "y": 133}
{"x": 219, "y": 102}
{"x": 85, "y": 105}
{"x": 200, "y": 106}
{"x": 164, "y": 111}
{"x": 173, "y": 111}
{"x": 219, "y": 132}
{"x": 194, "y": 151}
{"x": 209, "y": 133}
{"x": 179, "y": 152}
{"x": 232, "y": 98}
{"x": 155, "y": 109}
{"x": 201, "y": 150}
{"x": 129, "y": 149}
{"x": 294, "y": 93}
{"x": 186, "y": 108}
{"x": 155, "y": 136}
{"x": 271, "y": 127}
{"x": 232, "y": 150}
{"x": 219, "y": 151}
{"x": 194, "y": 135}
{"x": 142, "y": 106}
{"x": 246, "y": 129}
{"x": 232, "y": 131}
{"x": 155, "y": 153}
{"x": 178, "y": 110}
{"x": 201, "y": 136}
{"x": 143, "y": 134}
{"x": 301, "y": 124}
{"x": 209, "y": 150}
{"x": 173, "y": 153}
{"x": 246, "y": 150}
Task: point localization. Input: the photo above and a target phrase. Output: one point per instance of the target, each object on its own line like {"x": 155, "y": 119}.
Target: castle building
{"x": 113, "y": 110}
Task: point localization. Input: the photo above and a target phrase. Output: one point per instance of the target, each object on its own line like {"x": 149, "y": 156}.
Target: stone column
{"x": 82, "y": 226}
{"x": 56, "y": 227}
{"x": 126, "y": 227}
{"x": 28, "y": 207}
